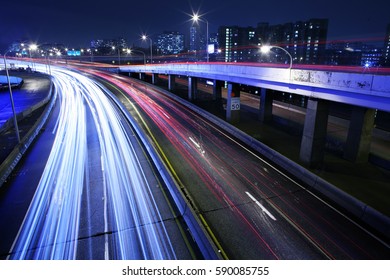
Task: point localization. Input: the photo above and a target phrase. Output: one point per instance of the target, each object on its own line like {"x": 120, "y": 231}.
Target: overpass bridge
{"x": 366, "y": 89}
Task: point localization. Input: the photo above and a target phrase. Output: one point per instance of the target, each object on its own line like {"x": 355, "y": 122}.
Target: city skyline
{"x": 78, "y": 23}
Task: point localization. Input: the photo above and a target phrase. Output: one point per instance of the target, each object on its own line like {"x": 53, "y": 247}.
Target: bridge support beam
{"x": 171, "y": 82}
{"x": 266, "y": 99}
{"x": 217, "y": 89}
{"x": 357, "y": 147}
{"x": 154, "y": 78}
{"x": 142, "y": 76}
{"x": 314, "y": 133}
{"x": 233, "y": 103}
{"x": 192, "y": 88}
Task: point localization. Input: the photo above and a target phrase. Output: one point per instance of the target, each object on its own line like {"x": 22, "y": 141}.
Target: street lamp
{"x": 197, "y": 18}
{"x": 33, "y": 47}
{"x": 129, "y": 51}
{"x": 266, "y": 49}
{"x": 12, "y": 99}
{"x": 144, "y": 37}
{"x": 119, "y": 55}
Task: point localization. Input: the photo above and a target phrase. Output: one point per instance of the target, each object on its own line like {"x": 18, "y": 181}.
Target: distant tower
{"x": 386, "y": 51}
{"x": 304, "y": 40}
{"x": 238, "y": 44}
{"x": 194, "y": 39}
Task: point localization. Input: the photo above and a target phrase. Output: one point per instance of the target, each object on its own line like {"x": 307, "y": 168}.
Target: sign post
{"x": 233, "y": 103}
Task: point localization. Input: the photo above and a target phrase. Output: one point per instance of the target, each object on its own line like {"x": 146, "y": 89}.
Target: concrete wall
{"x": 361, "y": 89}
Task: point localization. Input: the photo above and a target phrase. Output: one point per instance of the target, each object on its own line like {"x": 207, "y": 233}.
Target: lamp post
{"x": 129, "y": 51}
{"x": 32, "y": 47}
{"x": 197, "y": 18}
{"x": 144, "y": 37}
{"x": 58, "y": 54}
{"x": 266, "y": 49}
{"x": 119, "y": 54}
{"x": 12, "y": 99}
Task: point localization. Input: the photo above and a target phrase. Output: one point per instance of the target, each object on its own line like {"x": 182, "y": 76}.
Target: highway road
{"x": 87, "y": 189}
{"x": 252, "y": 209}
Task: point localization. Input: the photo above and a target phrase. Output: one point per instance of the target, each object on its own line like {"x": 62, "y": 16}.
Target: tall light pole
{"x": 129, "y": 51}
{"x": 119, "y": 55}
{"x": 32, "y": 47}
{"x": 144, "y": 37}
{"x": 12, "y": 99}
{"x": 197, "y": 18}
{"x": 266, "y": 49}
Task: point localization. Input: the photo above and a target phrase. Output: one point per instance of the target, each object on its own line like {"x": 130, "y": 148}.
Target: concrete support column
{"x": 154, "y": 78}
{"x": 217, "y": 89}
{"x": 171, "y": 82}
{"x": 266, "y": 99}
{"x": 233, "y": 103}
{"x": 192, "y": 88}
{"x": 357, "y": 147}
{"x": 314, "y": 132}
{"x": 142, "y": 76}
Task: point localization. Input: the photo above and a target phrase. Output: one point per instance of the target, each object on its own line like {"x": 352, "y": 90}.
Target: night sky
{"x": 77, "y": 22}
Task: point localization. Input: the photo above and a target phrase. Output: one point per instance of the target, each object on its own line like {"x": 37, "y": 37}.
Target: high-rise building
{"x": 386, "y": 50}
{"x": 304, "y": 40}
{"x": 238, "y": 44}
{"x": 170, "y": 42}
{"x": 353, "y": 53}
{"x": 195, "y": 39}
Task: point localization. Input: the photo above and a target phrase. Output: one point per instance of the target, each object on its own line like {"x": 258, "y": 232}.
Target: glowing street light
{"x": 119, "y": 55}
{"x": 196, "y": 18}
{"x": 32, "y": 47}
{"x": 129, "y": 51}
{"x": 144, "y": 37}
{"x": 267, "y": 48}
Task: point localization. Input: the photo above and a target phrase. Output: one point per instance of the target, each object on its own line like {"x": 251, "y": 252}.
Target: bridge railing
{"x": 360, "y": 89}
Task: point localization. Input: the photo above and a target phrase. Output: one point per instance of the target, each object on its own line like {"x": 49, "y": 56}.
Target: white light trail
{"x": 51, "y": 226}
{"x": 261, "y": 206}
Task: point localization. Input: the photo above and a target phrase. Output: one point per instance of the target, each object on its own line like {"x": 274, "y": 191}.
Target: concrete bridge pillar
{"x": 266, "y": 99}
{"x": 171, "y": 82}
{"x": 314, "y": 132}
{"x": 357, "y": 147}
{"x": 233, "y": 103}
{"x": 217, "y": 89}
{"x": 192, "y": 88}
{"x": 154, "y": 78}
{"x": 142, "y": 76}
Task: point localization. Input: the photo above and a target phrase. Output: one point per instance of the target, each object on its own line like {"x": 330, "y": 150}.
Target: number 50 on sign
{"x": 235, "y": 104}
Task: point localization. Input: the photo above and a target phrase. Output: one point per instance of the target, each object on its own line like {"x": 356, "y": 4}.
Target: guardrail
{"x": 8, "y": 165}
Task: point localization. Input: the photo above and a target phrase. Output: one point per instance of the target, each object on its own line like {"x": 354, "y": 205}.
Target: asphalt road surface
{"x": 86, "y": 189}
{"x": 253, "y": 210}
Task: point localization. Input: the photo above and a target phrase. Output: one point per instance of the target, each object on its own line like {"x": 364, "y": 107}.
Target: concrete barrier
{"x": 8, "y": 165}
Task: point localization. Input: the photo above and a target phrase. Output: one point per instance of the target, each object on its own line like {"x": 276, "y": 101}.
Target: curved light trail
{"x": 50, "y": 229}
{"x": 263, "y": 212}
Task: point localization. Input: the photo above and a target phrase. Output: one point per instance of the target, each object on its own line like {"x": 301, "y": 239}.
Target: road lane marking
{"x": 261, "y": 206}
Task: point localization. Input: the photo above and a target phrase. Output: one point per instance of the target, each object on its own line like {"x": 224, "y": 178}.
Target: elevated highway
{"x": 365, "y": 89}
